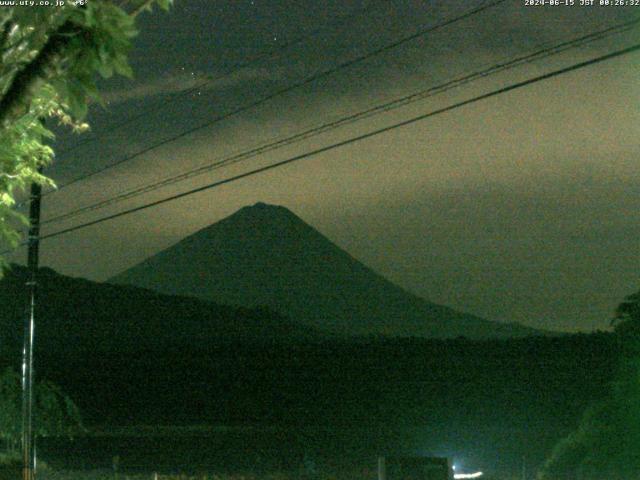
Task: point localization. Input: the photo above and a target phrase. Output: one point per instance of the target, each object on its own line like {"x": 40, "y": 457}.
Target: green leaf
{"x": 99, "y": 47}
{"x": 122, "y": 67}
{"x": 77, "y": 100}
{"x": 165, "y": 4}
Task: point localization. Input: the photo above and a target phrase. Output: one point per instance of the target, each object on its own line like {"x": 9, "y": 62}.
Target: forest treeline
{"x": 181, "y": 361}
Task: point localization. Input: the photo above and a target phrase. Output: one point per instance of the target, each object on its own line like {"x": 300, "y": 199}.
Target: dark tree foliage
{"x": 607, "y": 441}
{"x": 50, "y": 59}
{"x": 56, "y": 413}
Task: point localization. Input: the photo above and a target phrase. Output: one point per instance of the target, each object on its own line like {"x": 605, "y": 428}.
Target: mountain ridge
{"x": 266, "y": 255}
{"x": 78, "y": 315}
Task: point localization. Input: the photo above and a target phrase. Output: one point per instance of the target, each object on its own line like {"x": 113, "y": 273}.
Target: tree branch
{"x": 136, "y": 11}
{"x": 27, "y": 81}
{"x": 42, "y": 68}
{"x": 4, "y": 34}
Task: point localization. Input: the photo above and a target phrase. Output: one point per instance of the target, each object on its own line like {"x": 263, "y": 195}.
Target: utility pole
{"x": 28, "y": 450}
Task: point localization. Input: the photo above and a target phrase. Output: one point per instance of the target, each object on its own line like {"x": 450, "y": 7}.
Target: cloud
{"x": 198, "y": 82}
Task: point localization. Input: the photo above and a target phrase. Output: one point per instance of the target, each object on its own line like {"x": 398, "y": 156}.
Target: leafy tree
{"x": 606, "y": 444}
{"x": 55, "y": 412}
{"x": 50, "y": 58}
{"x": 627, "y": 319}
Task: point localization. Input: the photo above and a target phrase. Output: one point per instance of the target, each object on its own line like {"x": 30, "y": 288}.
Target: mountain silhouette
{"x": 265, "y": 255}
{"x": 75, "y": 315}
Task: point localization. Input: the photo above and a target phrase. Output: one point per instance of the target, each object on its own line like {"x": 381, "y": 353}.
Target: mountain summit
{"x": 265, "y": 255}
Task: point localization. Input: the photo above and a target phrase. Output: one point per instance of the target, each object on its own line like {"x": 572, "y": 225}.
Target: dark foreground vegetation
{"x": 282, "y": 398}
{"x": 489, "y": 403}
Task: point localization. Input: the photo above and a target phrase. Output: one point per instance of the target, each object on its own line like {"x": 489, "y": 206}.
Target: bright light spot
{"x": 467, "y": 475}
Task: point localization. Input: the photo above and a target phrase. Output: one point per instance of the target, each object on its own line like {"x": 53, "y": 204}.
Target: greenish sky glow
{"x": 524, "y": 207}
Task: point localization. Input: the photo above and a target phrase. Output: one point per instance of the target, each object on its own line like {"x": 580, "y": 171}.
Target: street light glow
{"x": 467, "y": 475}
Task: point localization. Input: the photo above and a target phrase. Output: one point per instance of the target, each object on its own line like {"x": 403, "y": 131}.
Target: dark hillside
{"x": 79, "y": 316}
{"x": 266, "y": 255}
{"x": 492, "y": 401}
{"x": 130, "y": 356}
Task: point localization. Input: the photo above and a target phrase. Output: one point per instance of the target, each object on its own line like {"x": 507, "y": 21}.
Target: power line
{"x": 284, "y": 90}
{"x": 382, "y": 108}
{"x": 353, "y": 140}
{"x": 233, "y": 69}
{"x": 238, "y": 67}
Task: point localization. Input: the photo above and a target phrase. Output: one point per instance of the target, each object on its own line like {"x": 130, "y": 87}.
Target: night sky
{"x": 524, "y": 207}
